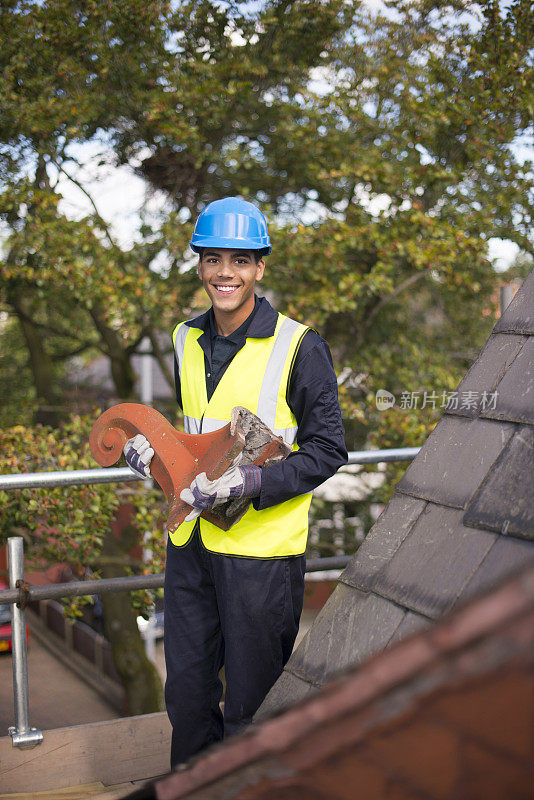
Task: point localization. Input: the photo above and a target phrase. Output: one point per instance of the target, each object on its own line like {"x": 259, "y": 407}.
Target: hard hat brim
{"x": 218, "y": 243}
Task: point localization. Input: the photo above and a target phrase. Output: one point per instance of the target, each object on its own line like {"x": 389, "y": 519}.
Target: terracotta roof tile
{"x": 446, "y": 714}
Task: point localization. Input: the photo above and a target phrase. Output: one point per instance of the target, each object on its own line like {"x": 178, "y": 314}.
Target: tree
{"x": 60, "y": 61}
{"x": 223, "y": 100}
{"x": 230, "y": 112}
{"x": 519, "y": 269}
{"x": 71, "y": 291}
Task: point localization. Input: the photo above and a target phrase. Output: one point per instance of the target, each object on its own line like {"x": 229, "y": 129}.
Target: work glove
{"x": 138, "y": 454}
{"x": 236, "y": 482}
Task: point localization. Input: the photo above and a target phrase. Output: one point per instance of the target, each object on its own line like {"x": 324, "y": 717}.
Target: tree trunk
{"x": 140, "y": 679}
{"x": 44, "y": 379}
{"x": 121, "y": 368}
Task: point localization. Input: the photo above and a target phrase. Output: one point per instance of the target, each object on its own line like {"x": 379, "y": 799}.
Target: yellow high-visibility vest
{"x": 257, "y": 378}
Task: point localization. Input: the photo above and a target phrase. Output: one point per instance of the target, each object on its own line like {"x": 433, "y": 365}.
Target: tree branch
{"x": 21, "y": 314}
{"x": 160, "y": 358}
{"x": 69, "y": 354}
{"x": 82, "y": 188}
{"x": 132, "y": 348}
{"x": 384, "y": 300}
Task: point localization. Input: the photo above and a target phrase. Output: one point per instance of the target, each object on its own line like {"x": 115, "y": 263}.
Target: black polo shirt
{"x": 224, "y": 348}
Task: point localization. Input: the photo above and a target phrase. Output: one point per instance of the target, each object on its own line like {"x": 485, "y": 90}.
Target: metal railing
{"x": 23, "y": 735}
{"x": 20, "y": 594}
{"x": 79, "y": 477}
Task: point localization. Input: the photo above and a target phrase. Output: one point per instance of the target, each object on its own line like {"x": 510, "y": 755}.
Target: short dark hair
{"x": 258, "y": 254}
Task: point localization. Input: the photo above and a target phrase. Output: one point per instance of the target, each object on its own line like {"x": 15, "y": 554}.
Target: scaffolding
{"x": 19, "y": 594}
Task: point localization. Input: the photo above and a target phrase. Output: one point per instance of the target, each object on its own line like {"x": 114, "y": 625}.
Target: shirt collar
{"x": 261, "y": 323}
{"x": 237, "y": 336}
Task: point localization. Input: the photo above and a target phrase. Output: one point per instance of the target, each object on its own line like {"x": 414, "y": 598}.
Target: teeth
{"x": 226, "y": 289}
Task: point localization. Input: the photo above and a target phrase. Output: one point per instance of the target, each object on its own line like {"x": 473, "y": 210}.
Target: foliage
{"x": 522, "y": 265}
{"x": 71, "y": 524}
{"x": 52, "y": 281}
{"x": 69, "y": 284}
{"x": 229, "y": 113}
{"x": 17, "y": 393}
{"x": 392, "y": 128}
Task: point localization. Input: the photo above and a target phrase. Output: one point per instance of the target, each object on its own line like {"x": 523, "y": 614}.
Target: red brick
{"x": 399, "y": 791}
{"x": 331, "y": 738}
{"x": 497, "y": 711}
{"x": 488, "y": 776}
{"x": 424, "y": 754}
{"x": 346, "y": 776}
{"x": 481, "y": 617}
{"x": 295, "y": 790}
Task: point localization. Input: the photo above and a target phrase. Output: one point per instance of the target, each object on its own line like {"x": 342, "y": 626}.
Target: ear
{"x": 199, "y": 268}
{"x": 260, "y": 269}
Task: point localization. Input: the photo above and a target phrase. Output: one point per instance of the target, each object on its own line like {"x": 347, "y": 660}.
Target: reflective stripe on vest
{"x": 257, "y": 378}
{"x": 179, "y": 340}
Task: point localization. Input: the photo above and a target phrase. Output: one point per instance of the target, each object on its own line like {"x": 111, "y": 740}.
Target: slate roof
{"x": 445, "y": 715}
{"x": 461, "y": 519}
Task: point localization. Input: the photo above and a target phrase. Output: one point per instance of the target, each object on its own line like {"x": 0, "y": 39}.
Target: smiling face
{"x": 229, "y": 277}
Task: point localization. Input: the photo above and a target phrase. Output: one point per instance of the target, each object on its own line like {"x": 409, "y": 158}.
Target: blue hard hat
{"x": 231, "y": 223}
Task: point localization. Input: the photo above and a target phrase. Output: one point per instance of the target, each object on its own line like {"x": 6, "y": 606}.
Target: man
{"x": 234, "y": 598}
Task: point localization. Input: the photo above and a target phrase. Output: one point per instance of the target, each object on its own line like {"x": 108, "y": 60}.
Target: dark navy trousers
{"x": 242, "y": 613}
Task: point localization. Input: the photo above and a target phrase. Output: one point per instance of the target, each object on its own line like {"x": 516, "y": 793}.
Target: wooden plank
{"x": 112, "y": 752}
{"x": 117, "y": 792}
{"x": 95, "y": 791}
{"x": 70, "y": 793}
{"x": 121, "y": 793}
